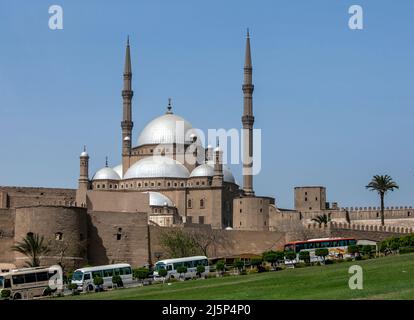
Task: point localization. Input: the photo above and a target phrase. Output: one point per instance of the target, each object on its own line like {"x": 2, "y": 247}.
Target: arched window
{"x": 189, "y": 203}
{"x": 59, "y": 236}
{"x": 30, "y": 234}
{"x": 202, "y": 203}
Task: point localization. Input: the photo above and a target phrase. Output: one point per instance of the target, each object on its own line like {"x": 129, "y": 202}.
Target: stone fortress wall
{"x": 115, "y": 227}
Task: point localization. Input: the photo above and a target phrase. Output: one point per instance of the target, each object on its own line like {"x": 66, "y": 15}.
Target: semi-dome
{"x": 207, "y": 170}
{"x": 167, "y": 129}
{"x": 158, "y": 199}
{"x": 157, "y": 167}
{"x": 118, "y": 170}
{"x": 106, "y": 174}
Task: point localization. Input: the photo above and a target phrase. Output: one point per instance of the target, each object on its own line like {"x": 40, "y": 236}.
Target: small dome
{"x": 163, "y": 129}
{"x": 228, "y": 228}
{"x": 106, "y": 174}
{"x": 127, "y": 138}
{"x": 157, "y": 167}
{"x": 84, "y": 154}
{"x": 203, "y": 170}
{"x": 207, "y": 170}
{"x": 118, "y": 170}
{"x": 158, "y": 199}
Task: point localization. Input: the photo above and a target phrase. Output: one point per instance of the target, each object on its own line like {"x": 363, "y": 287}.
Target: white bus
{"x": 191, "y": 263}
{"x": 84, "y": 277}
{"x": 27, "y": 283}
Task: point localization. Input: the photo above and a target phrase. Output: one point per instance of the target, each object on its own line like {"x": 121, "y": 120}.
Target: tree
{"x": 382, "y": 184}
{"x": 353, "y": 250}
{"x": 290, "y": 255}
{"x": 322, "y": 252}
{"x": 141, "y": 273}
{"x": 32, "y": 247}
{"x": 256, "y": 262}
{"x": 323, "y": 218}
{"x": 117, "y": 280}
{"x": 179, "y": 243}
{"x": 305, "y": 256}
{"x": 182, "y": 270}
{"x": 98, "y": 282}
{"x": 238, "y": 264}
{"x": 163, "y": 273}
{"x": 220, "y": 267}
{"x": 200, "y": 270}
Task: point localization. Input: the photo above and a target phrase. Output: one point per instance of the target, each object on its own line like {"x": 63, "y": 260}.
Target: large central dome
{"x": 168, "y": 128}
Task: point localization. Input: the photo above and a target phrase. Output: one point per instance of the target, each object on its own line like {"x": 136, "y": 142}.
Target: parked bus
{"x": 337, "y": 247}
{"x": 84, "y": 277}
{"x": 27, "y": 283}
{"x": 191, "y": 263}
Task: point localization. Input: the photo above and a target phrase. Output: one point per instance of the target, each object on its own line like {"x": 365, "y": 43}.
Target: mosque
{"x": 185, "y": 182}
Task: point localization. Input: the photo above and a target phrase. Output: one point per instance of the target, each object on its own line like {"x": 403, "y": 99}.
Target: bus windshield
{"x": 159, "y": 266}
{"x": 77, "y": 276}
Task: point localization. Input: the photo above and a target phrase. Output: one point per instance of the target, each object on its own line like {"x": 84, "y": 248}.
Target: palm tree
{"x": 32, "y": 247}
{"x": 382, "y": 184}
{"x": 323, "y": 218}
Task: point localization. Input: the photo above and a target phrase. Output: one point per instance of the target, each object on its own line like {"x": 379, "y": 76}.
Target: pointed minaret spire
{"x": 248, "y": 120}
{"x": 169, "y": 107}
{"x": 127, "y": 124}
{"x": 127, "y": 68}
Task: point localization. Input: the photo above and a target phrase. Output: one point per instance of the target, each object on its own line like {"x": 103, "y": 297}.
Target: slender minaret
{"x": 248, "y": 120}
{"x": 127, "y": 123}
{"x": 218, "y": 167}
{"x": 83, "y": 178}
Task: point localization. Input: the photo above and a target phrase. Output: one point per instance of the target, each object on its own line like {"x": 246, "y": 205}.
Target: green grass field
{"x": 384, "y": 278}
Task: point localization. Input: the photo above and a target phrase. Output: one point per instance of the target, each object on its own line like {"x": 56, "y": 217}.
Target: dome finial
{"x": 169, "y": 107}
{"x": 106, "y": 161}
{"x": 84, "y": 148}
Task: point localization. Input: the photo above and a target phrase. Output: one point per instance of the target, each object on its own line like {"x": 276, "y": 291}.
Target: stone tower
{"x": 247, "y": 121}
{"x": 127, "y": 123}
{"x": 83, "y": 178}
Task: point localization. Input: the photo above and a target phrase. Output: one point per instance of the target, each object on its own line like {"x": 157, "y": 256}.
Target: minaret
{"x": 248, "y": 120}
{"x": 127, "y": 123}
{"x": 218, "y": 167}
{"x": 83, "y": 178}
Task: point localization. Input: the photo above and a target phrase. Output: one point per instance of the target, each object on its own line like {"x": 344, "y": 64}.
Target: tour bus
{"x": 84, "y": 277}
{"x": 191, "y": 263}
{"x": 27, "y": 283}
{"x": 337, "y": 247}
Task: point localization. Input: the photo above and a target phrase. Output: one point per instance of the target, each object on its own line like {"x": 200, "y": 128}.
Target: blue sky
{"x": 335, "y": 106}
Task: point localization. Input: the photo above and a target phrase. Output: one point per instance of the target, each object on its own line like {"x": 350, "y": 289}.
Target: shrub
{"x": 118, "y": 281}
{"x": 200, "y": 269}
{"x": 304, "y": 256}
{"x": 141, "y": 273}
{"x": 98, "y": 282}
{"x": 5, "y": 294}
{"x": 322, "y": 252}
{"x": 238, "y": 264}
{"x": 74, "y": 288}
{"x": 406, "y": 250}
{"x": 182, "y": 270}
{"x": 353, "y": 249}
{"x": 162, "y": 273}
{"x": 256, "y": 262}
{"x": 290, "y": 255}
{"x": 329, "y": 261}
